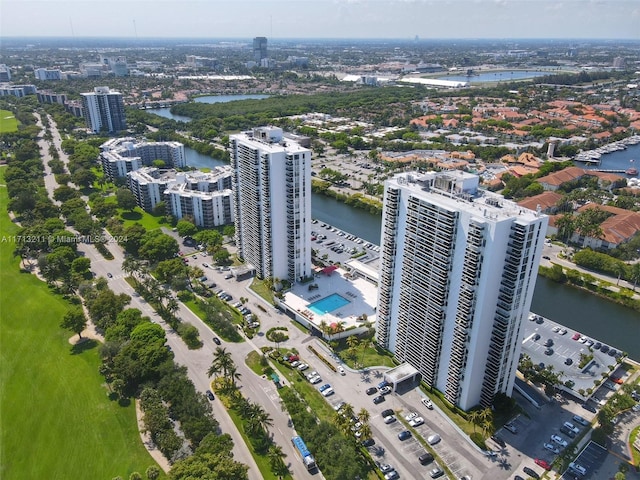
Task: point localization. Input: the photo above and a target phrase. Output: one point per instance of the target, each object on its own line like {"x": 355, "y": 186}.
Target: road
{"x": 197, "y": 362}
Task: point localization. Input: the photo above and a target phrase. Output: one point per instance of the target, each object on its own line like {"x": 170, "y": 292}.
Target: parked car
{"x": 552, "y": 448}
{"x": 559, "y": 440}
{"x": 404, "y": 435}
{"x": 302, "y": 367}
{"x": 385, "y": 468}
{"x": 316, "y": 379}
{"x": 385, "y": 390}
{"x": 368, "y": 442}
{"x": 433, "y": 439}
{"x": 216, "y": 340}
{"x": 371, "y": 390}
{"x": 410, "y": 416}
{"x": 576, "y": 336}
{"x": 568, "y": 361}
{"x": 531, "y": 472}
{"x": 378, "y": 399}
{"x": 324, "y": 387}
{"x": 580, "y": 420}
{"x": 543, "y": 463}
{"x": 427, "y": 403}
{"x": 391, "y": 475}
{"x": 589, "y": 408}
{"x": 389, "y": 419}
{"x": 568, "y": 432}
{"x": 425, "y": 459}
{"x": 338, "y": 406}
{"x": 436, "y": 472}
{"x": 328, "y": 392}
{"x": 387, "y": 412}
{"x": 578, "y": 468}
{"x": 416, "y": 422}
{"x": 571, "y": 427}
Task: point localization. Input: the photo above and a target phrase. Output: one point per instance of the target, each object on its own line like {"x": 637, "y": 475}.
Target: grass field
{"x": 55, "y": 417}
{"x": 8, "y": 122}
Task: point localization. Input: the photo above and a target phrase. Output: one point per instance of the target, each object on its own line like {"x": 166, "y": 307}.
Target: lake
{"x": 166, "y": 112}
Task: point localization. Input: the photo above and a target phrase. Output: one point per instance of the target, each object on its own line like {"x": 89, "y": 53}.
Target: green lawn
{"x": 56, "y": 419}
{"x": 148, "y": 221}
{"x": 8, "y": 122}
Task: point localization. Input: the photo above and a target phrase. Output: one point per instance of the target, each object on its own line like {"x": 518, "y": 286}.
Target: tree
{"x": 126, "y": 199}
{"x": 80, "y": 266}
{"x": 566, "y": 226}
{"x": 75, "y": 321}
{"x": 186, "y": 228}
{"x": 152, "y": 473}
{"x": 156, "y": 246}
{"x": 222, "y": 361}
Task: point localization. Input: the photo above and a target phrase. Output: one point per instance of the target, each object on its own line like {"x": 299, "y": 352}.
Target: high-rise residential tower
{"x": 458, "y": 268}
{"x": 272, "y": 187}
{"x": 104, "y": 110}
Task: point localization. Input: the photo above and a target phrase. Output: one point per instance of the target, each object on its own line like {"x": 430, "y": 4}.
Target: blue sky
{"x": 323, "y": 18}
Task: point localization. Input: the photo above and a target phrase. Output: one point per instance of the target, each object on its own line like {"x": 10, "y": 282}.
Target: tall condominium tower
{"x": 457, "y": 272}
{"x": 272, "y": 187}
{"x": 259, "y": 48}
{"x": 104, "y": 110}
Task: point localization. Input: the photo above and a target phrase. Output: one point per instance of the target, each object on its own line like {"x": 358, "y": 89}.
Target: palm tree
{"x": 233, "y": 375}
{"x": 173, "y": 306}
{"x": 365, "y": 430}
{"x": 276, "y": 462}
{"x": 474, "y": 418}
{"x": 222, "y": 361}
{"x": 352, "y": 341}
{"x": 347, "y": 411}
{"x": 364, "y": 415}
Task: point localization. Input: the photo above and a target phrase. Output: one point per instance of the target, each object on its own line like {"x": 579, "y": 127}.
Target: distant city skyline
{"x": 393, "y": 19}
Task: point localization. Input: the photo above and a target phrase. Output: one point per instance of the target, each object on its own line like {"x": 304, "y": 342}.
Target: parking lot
{"x": 339, "y": 246}
{"x": 551, "y": 345}
{"x": 591, "y": 458}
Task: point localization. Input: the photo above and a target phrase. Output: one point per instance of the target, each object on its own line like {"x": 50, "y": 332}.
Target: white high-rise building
{"x": 457, "y": 272}
{"x": 120, "y": 156}
{"x": 104, "y": 110}
{"x": 272, "y": 187}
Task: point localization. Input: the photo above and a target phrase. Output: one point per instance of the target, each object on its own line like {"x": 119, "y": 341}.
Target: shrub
{"x": 476, "y": 438}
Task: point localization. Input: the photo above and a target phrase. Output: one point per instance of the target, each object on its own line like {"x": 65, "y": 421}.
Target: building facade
{"x": 207, "y": 197}
{"x": 104, "y": 110}
{"x": 120, "y": 156}
{"x": 259, "y": 49}
{"x": 457, "y": 272}
{"x": 47, "y": 74}
{"x": 272, "y": 187}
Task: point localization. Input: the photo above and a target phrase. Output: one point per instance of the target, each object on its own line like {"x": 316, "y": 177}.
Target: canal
{"x": 593, "y": 316}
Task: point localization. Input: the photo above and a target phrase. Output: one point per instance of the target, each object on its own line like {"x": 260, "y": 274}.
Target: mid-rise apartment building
{"x": 104, "y": 110}
{"x": 48, "y": 74}
{"x": 458, "y": 268}
{"x": 120, "y": 156}
{"x": 206, "y": 197}
{"x": 272, "y": 187}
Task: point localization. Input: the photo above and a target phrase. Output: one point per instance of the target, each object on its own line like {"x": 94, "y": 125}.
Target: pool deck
{"x": 362, "y": 296}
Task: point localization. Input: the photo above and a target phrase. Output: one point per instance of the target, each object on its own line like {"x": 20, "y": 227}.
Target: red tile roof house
{"x": 548, "y": 202}
{"x": 619, "y": 228}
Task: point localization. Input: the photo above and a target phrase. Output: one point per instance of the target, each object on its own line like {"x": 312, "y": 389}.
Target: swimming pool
{"x": 328, "y": 304}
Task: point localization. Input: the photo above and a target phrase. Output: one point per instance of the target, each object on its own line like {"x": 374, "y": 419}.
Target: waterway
{"x": 166, "y": 112}
{"x": 590, "y": 315}
{"x": 501, "y": 76}
{"x": 593, "y": 316}
{"x": 620, "y": 160}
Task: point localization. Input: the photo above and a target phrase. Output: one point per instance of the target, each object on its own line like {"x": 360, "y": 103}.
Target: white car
{"x": 427, "y": 403}
{"x": 315, "y": 379}
{"x": 416, "y": 422}
{"x": 389, "y": 419}
{"x": 433, "y": 439}
{"x": 552, "y": 448}
{"x": 328, "y": 392}
{"x": 312, "y": 374}
{"x": 302, "y": 367}
{"x": 411, "y": 416}
{"x": 341, "y": 370}
{"x": 583, "y": 339}
{"x": 555, "y": 329}
{"x": 559, "y": 440}
{"x": 578, "y": 468}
